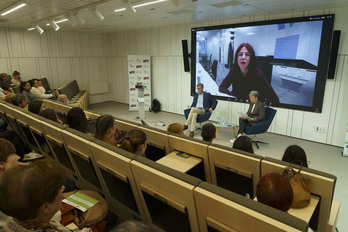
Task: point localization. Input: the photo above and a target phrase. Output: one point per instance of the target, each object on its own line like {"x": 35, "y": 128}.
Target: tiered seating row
{"x": 136, "y": 187}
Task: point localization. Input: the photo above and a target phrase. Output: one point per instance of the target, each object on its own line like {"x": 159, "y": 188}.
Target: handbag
{"x": 301, "y": 187}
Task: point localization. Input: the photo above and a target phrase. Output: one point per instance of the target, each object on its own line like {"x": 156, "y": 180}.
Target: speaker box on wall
{"x": 185, "y": 55}
{"x": 333, "y": 54}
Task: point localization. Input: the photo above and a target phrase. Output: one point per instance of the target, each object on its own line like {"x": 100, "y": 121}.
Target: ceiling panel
{"x": 160, "y": 14}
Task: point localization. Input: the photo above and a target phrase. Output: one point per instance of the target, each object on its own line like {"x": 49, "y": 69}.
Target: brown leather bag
{"x": 301, "y": 187}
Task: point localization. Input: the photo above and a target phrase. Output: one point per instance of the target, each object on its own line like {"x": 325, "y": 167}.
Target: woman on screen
{"x": 244, "y": 77}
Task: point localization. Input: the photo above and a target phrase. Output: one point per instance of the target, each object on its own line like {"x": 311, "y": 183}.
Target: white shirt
{"x": 200, "y": 101}
{"x": 39, "y": 94}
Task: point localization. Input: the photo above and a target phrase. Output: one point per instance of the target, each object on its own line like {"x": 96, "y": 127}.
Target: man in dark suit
{"x": 255, "y": 114}
{"x": 202, "y": 102}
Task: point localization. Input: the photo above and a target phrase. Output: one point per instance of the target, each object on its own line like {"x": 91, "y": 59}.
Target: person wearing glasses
{"x": 244, "y": 77}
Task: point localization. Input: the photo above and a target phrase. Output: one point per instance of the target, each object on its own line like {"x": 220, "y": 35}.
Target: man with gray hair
{"x": 202, "y": 102}
{"x": 255, "y": 113}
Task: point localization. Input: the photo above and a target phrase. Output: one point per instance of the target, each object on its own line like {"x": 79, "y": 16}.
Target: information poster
{"x": 139, "y": 73}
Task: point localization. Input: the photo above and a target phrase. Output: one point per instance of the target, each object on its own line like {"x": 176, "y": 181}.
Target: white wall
{"x": 59, "y": 56}
{"x": 172, "y": 86}
{"x": 65, "y": 56}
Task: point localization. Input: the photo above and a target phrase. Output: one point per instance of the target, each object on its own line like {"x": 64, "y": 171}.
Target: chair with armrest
{"x": 261, "y": 127}
{"x": 200, "y": 118}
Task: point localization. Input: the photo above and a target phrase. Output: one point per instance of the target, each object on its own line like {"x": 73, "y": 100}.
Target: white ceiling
{"x": 156, "y": 15}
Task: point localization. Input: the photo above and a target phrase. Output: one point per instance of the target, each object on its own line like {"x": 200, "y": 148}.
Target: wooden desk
{"x": 306, "y": 213}
{"x": 178, "y": 162}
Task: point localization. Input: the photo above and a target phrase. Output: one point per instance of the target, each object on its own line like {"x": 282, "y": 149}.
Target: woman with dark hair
{"x": 16, "y": 79}
{"x": 25, "y": 89}
{"x": 135, "y": 142}
{"x": 36, "y": 106}
{"x": 77, "y": 120}
{"x": 243, "y": 143}
{"x": 244, "y": 77}
{"x": 105, "y": 128}
{"x": 295, "y": 154}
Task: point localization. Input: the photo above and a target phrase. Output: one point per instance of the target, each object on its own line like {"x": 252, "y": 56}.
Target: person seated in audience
{"x": 176, "y": 128}
{"x": 208, "y": 132}
{"x": 50, "y": 114}
{"x": 76, "y": 119}
{"x": 135, "y": 142}
{"x": 105, "y": 128}
{"x": 25, "y": 89}
{"x": 137, "y": 226}
{"x": 16, "y": 79}
{"x": 36, "y": 106}
{"x": 8, "y": 98}
{"x": 37, "y": 92}
{"x": 8, "y": 159}
{"x": 243, "y": 143}
{"x": 274, "y": 190}
{"x": 63, "y": 99}
{"x": 8, "y": 156}
{"x": 295, "y": 154}
{"x": 19, "y": 100}
{"x": 11, "y": 135}
{"x": 31, "y": 194}
{"x": 6, "y": 83}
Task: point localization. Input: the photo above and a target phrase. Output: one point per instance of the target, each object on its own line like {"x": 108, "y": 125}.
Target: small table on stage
{"x": 225, "y": 125}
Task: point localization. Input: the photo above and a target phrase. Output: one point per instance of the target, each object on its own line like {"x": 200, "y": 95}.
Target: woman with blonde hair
{"x": 176, "y": 128}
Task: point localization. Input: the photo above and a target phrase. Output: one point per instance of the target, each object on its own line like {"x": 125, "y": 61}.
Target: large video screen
{"x": 285, "y": 60}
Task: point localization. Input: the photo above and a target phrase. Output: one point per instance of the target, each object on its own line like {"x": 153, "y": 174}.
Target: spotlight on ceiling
{"x": 79, "y": 19}
{"x": 54, "y": 25}
{"x": 96, "y": 13}
{"x": 38, "y": 29}
{"x": 13, "y": 7}
{"x": 72, "y": 20}
{"x": 130, "y": 7}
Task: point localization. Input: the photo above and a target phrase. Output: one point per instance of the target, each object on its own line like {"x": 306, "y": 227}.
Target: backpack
{"x": 155, "y": 106}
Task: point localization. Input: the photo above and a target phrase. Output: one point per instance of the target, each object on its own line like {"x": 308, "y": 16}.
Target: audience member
{"x": 243, "y": 143}
{"x": 63, "y": 99}
{"x": 105, "y": 128}
{"x": 5, "y": 83}
{"x": 295, "y": 154}
{"x": 16, "y": 79}
{"x": 12, "y": 136}
{"x": 25, "y": 89}
{"x": 8, "y": 98}
{"x": 8, "y": 157}
{"x": 50, "y": 114}
{"x": 37, "y": 92}
{"x": 176, "y": 128}
{"x": 208, "y": 132}
{"x": 135, "y": 142}
{"x": 137, "y": 226}
{"x": 19, "y": 100}
{"x": 77, "y": 120}
{"x": 31, "y": 195}
{"x": 36, "y": 106}
{"x": 274, "y": 190}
